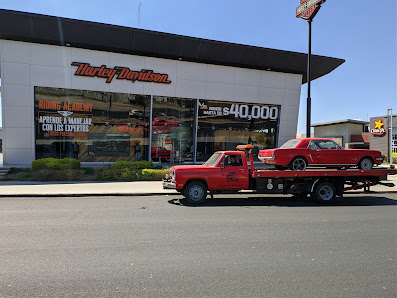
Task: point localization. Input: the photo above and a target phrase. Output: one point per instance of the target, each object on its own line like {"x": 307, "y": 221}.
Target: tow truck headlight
{"x": 173, "y": 175}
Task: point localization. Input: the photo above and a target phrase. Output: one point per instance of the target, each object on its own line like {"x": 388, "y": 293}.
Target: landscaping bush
{"x": 130, "y": 175}
{"x": 129, "y": 165}
{"x": 55, "y": 164}
{"x": 117, "y": 175}
{"x": 394, "y": 158}
{"x": 154, "y": 175}
{"x": 56, "y": 175}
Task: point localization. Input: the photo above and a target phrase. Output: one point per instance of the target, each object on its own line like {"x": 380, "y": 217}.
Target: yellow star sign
{"x": 378, "y": 124}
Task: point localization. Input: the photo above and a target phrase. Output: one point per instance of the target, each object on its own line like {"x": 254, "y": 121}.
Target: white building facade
{"x": 100, "y": 105}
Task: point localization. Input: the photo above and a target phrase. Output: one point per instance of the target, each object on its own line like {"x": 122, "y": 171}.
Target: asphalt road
{"x": 235, "y": 246}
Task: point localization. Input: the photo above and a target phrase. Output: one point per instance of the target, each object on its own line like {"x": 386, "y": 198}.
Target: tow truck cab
{"x": 225, "y": 170}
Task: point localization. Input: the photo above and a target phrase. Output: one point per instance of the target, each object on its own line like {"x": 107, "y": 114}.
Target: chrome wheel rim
{"x": 366, "y": 164}
{"x": 326, "y": 193}
{"x": 299, "y": 164}
{"x": 196, "y": 193}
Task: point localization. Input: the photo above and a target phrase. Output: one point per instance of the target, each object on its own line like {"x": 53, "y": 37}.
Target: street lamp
{"x": 390, "y": 135}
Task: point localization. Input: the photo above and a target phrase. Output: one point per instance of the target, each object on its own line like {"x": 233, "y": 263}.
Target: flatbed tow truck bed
{"x": 271, "y": 173}
{"x": 317, "y": 182}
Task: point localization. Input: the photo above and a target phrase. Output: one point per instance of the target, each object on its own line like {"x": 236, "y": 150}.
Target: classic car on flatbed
{"x": 297, "y": 154}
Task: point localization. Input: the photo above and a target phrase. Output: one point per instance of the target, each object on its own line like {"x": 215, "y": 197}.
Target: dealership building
{"x": 104, "y": 93}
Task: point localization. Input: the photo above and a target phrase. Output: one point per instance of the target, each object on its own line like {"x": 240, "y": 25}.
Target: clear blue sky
{"x": 363, "y": 32}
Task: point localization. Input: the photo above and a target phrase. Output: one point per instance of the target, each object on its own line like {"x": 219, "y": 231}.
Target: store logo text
{"x": 379, "y": 129}
{"x": 121, "y": 73}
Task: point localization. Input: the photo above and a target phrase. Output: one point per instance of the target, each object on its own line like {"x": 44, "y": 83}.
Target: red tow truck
{"x": 228, "y": 171}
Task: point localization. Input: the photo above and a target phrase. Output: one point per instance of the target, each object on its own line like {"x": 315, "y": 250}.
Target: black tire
{"x": 298, "y": 164}
{"x": 324, "y": 192}
{"x": 195, "y": 192}
{"x": 365, "y": 164}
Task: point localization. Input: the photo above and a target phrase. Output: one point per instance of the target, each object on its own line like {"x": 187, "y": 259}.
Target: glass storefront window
{"x": 224, "y": 125}
{"x": 173, "y": 129}
{"x": 91, "y": 126}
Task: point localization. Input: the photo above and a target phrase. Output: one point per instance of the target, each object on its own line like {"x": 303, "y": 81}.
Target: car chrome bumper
{"x": 169, "y": 185}
{"x": 267, "y": 160}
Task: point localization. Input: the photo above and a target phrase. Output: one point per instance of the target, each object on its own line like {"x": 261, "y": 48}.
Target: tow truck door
{"x": 234, "y": 175}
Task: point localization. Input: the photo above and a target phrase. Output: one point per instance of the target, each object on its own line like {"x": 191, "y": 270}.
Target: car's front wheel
{"x": 195, "y": 192}
{"x": 365, "y": 164}
{"x": 298, "y": 164}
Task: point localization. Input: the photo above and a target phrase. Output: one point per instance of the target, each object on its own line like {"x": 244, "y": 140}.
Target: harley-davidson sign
{"x": 120, "y": 73}
{"x": 308, "y": 9}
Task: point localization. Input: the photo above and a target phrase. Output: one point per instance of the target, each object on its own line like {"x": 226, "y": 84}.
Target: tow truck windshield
{"x": 213, "y": 160}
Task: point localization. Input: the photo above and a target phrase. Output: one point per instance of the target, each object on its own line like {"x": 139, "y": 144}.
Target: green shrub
{"x": 392, "y": 167}
{"x": 89, "y": 171}
{"x": 130, "y": 175}
{"x": 154, "y": 175}
{"x": 117, "y": 175}
{"x": 394, "y": 158}
{"x": 55, "y": 164}
{"x": 57, "y": 175}
{"x": 136, "y": 165}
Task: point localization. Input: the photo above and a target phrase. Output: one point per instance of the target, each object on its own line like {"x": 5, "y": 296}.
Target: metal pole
{"x": 309, "y": 100}
{"x": 390, "y": 123}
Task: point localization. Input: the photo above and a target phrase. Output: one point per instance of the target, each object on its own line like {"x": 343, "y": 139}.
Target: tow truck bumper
{"x": 169, "y": 185}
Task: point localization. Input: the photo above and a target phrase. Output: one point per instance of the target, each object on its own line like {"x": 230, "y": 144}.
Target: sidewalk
{"x": 137, "y": 188}
{"x": 82, "y": 188}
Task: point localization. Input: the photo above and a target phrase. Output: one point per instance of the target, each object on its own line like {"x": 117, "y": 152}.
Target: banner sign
{"x": 63, "y": 119}
{"x": 308, "y": 9}
{"x": 120, "y": 73}
{"x": 379, "y": 130}
{"x": 246, "y": 111}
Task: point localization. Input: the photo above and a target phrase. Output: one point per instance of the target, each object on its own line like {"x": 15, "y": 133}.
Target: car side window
{"x": 326, "y": 145}
{"x": 311, "y": 145}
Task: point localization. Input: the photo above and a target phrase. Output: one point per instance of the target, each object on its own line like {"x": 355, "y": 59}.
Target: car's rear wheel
{"x": 195, "y": 192}
{"x": 365, "y": 164}
{"x": 298, "y": 164}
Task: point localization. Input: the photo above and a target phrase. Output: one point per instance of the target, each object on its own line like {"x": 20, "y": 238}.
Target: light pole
{"x": 307, "y": 10}
{"x": 390, "y": 122}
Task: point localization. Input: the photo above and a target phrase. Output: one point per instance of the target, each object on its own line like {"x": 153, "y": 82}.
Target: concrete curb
{"x": 88, "y": 195}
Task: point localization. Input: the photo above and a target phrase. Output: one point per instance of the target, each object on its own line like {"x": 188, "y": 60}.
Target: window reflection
{"x": 224, "y": 125}
{"x": 173, "y": 129}
{"x": 91, "y": 126}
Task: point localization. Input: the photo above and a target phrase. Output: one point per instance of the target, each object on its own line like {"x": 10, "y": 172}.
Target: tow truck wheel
{"x": 195, "y": 192}
{"x": 324, "y": 192}
{"x": 365, "y": 164}
{"x": 298, "y": 164}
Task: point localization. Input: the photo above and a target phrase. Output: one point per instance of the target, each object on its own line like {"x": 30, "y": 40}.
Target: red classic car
{"x": 297, "y": 154}
{"x": 162, "y": 122}
{"x": 160, "y": 152}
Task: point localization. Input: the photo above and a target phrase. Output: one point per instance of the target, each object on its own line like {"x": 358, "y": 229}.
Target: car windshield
{"x": 291, "y": 144}
{"x": 213, "y": 160}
